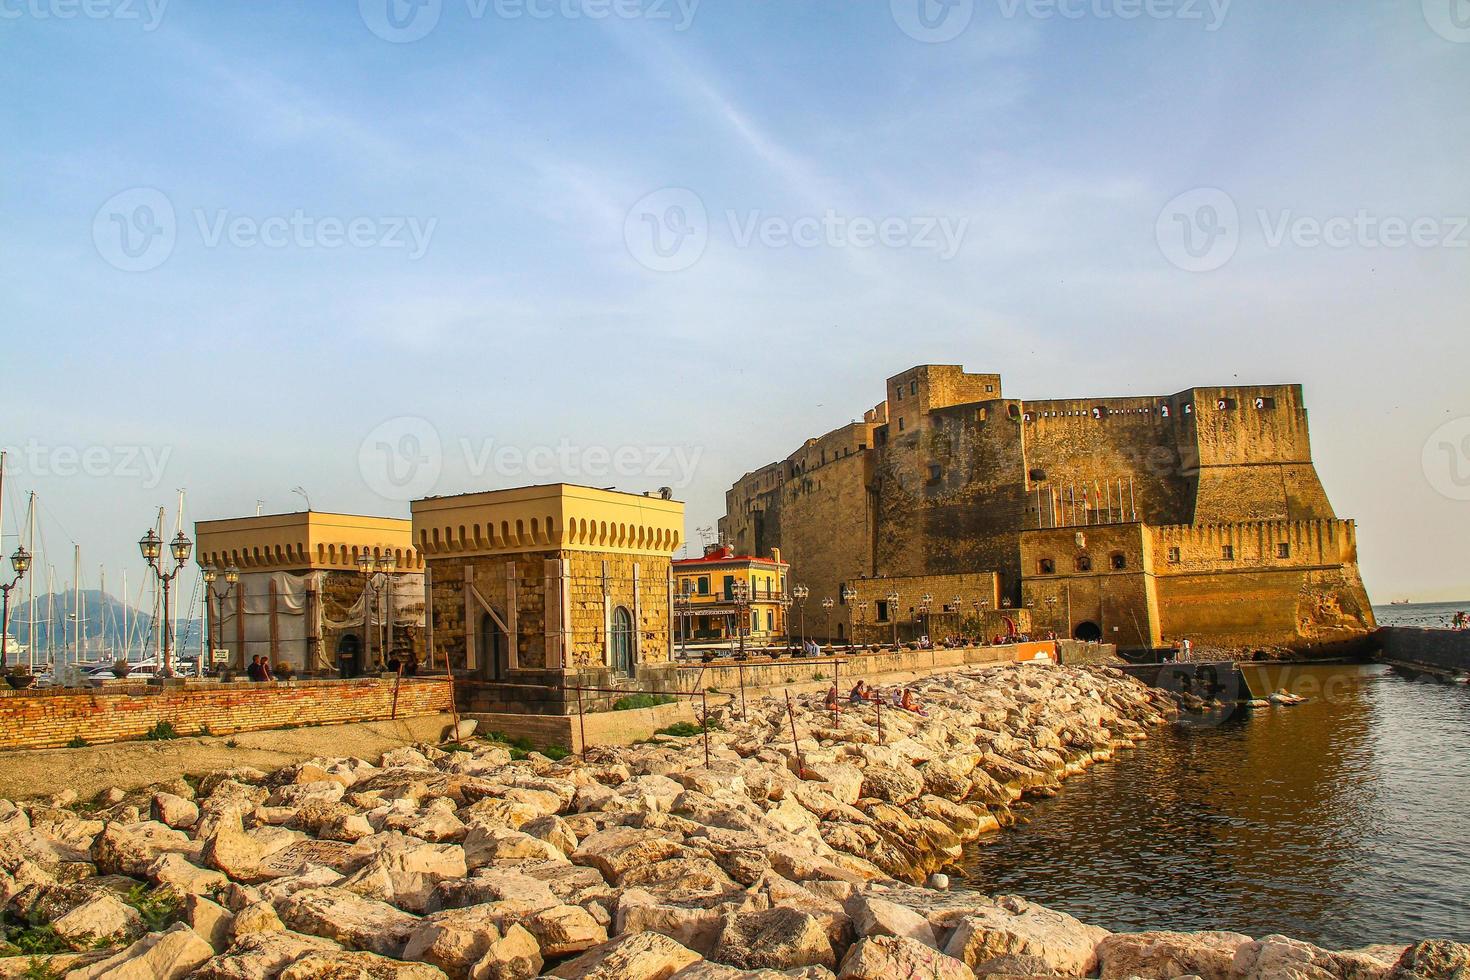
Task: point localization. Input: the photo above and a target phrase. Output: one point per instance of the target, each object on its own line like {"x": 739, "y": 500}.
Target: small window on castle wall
{"x": 1084, "y": 563}
{"x": 913, "y": 387}
{"x": 1174, "y": 556}
{"x": 900, "y": 425}
{"x": 1188, "y": 409}
{"x": 900, "y": 393}
{"x": 990, "y": 389}
{"x": 1226, "y": 404}
{"x": 1099, "y": 411}
{"x": 1164, "y": 411}
{"x": 1038, "y": 476}
{"x": 934, "y": 473}
{"x": 1014, "y": 411}
{"x": 1119, "y": 561}
{"x": 1227, "y": 552}
{"x": 1047, "y": 566}
{"x": 1264, "y": 403}
{"x": 1283, "y": 550}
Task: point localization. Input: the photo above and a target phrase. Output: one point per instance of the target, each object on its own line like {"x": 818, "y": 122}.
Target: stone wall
{"x": 1439, "y": 648}
{"x": 55, "y": 716}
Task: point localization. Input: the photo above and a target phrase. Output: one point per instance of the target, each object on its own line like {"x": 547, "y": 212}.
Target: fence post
{"x": 740, "y": 672}
{"x": 704, "y": 723}
{"x": 879, "y": 703}
{"x": 581, "y": 723}
{"x": 836, "y": 686}
{"x": 795, "y": 742}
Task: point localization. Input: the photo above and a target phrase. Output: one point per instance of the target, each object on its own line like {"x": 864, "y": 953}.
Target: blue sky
{"x": 500, "y": 169}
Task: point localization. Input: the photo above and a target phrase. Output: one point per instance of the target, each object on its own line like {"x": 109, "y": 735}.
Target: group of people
{"x": 864, "y": 693}
{"x": 1181, "y": 650}
{"x": 1461, "y": 621}
{"x": 260, "y": 670}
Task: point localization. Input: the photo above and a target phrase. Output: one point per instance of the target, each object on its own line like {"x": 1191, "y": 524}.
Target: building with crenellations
{"x": 1135, "y": 520}
{"x": 535, "y": 590}
{"x": 721, "y": 595}
{"x": 321, "y": 593}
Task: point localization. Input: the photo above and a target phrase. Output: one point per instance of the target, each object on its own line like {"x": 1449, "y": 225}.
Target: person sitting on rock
{"x": 832, "y": 698}
{"x": 910, "y": 702}
{"x": 859, "y": 692}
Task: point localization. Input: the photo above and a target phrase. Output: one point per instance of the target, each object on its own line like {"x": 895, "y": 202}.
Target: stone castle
{"x": 1138, "y": 520}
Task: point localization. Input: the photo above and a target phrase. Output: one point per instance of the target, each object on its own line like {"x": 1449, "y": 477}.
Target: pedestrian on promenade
{"x": 253, "y": 671}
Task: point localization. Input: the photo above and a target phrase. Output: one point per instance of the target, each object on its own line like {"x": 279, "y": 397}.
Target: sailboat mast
{"x": 31, "y": 584}
{"x": 76, "y": 603}
{"x": 127, "y": 624}
{"x": 158, "y": 624}
{"x": 51, "y": 615}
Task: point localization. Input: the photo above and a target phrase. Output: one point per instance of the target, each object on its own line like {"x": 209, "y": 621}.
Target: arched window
{"x": 1118, "y": 560}
{"x": 1084, "y": 563}
{"x": 621, "y": 641}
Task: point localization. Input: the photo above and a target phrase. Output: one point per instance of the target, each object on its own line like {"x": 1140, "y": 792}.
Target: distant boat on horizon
{"x": 1398, "y": 602}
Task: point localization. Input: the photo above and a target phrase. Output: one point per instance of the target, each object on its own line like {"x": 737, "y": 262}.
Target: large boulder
{"x": 1208, "y": 955}
{"x": 170, "y": 955}
{"x": 230, "y": 849}
{"x": 873, "y": 916}
{"x": 174, "y": 811}
{"x": 344, "y": 965}
{"x": 349, "y": 919}
{"x": 406, "y": 874}
{"x": 261, "y": 956}
{"x": 778, "y": 938}
{"x": 459, "y": 941}
{"x": 1272, "y": 957}
{"x": 890, "y": 957}
{"x": 211, "y": 920}
{"x": 1014, "y": 936}
{"x": 128, "y": 849}
{"x": 897, "y": 784}
{"x": 617, "y": 850}
{"x": 564, "y": 930}
{"x": 640, "y": 956}
{"x": 102, "y": 918}
{"x": 1434, "y": 959}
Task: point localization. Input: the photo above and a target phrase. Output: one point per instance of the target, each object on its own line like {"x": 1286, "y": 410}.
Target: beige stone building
{"x": 534, "y": 589}
{"x": 322, "y": 593}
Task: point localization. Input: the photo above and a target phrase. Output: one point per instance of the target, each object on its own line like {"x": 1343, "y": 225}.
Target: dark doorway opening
{"x": 1089, "y": 632}
{"x": 622, "y": 641}
{"x": 491, "y": 649}
{"x": 349, "y": 656}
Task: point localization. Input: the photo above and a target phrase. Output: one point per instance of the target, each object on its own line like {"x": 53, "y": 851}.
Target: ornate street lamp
{"x": 925, "y": 602}
{"x": 893, "y": 615}
{"x": 740, "y": 592}
{"x": 369, "y": 565}
{"x": 848, "y": 594}
{"x": 179, "y": 548}
{"x": 827, "y": 604}
{"x": 216, "y": 629}
{"x": 21, "y": 562}
{"x": 799, "y": 594}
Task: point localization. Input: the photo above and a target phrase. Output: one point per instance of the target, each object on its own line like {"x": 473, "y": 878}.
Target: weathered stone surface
{"x": 229, "y": 849}
{"x": 779, "y": 938}
{"x": 1014, "y": 936}
{"x": 1435, "y": 959}
{"x": 102, "y": 917}
{"x": 641, "y": 956}
{"x": 617, "y": 850}
{"x": 212, "y": 921}
{"x": 174, "y": 811}
{"x": 512, "y": 957}
{"x": 1273, "y": 957}
{"x": 1208, "y": 955}
{"x": 257, "y": 917}
{"x": 406, "y": 874}
{"x": 349, "y": 919}
{"x": 261, "y": 956}
{"x": 344, "y": 965}
{"x": 128, "y": 849}
{"x": 456, "y": 939}
{"x": 184, "y": 877}
{"x": 564, "y": 929}
{"x": 873, "y": 916}
{"x": 170, "y": 955}
{"x": 890, "y": 957}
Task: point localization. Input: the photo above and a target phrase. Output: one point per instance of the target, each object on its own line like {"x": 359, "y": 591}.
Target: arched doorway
{"x": 1088, "y": 631}
{"x": 349, "y": 655}
{"x": 621, "y": 637}
{"x": 490, "y": 649}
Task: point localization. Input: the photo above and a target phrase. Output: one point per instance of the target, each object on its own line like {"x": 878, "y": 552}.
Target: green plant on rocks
{"x": 634, "y": 701}
{"x": 77, "y": 743}
{"x": 162, "y": 732}
{"x": 159, "y": 907}
{"x": 38, "y": 970}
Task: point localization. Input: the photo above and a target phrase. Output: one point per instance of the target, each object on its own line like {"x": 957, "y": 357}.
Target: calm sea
{"x": 1343, "y": 821}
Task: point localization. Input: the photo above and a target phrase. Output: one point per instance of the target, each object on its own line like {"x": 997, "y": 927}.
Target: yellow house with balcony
{"x": 721, "y": 596}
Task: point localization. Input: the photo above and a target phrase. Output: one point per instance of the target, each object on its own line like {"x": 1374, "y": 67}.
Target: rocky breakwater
{"x": 793, "y": 852}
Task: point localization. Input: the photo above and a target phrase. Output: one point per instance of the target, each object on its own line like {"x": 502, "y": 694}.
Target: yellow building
{"x": 320, "y": 593}
{"x": 722, "y": 595}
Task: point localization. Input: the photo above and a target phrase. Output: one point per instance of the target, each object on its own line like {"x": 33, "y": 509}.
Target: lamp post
{"x": 216, "y": 624}
{"x": 21, "y": 562}
{"x": 1051, "y": 603}
{"x": 863, "y": 615}
{"x": 368, "y": 566}
{"x": 848, "y": 594}
{"x": 179, "y": 548}
{"x": 740, "y": 592}
{"x": 799, "y": 594}
{"x": 682, "y": 603}
{"x": 827, "y": 604}
{"x": 387, "y": 565}
{"x": 893, "y": 615}
{"x": 926, "y": 601}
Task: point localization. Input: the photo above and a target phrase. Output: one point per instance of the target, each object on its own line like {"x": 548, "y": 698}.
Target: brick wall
{"x": 53, "y": 717}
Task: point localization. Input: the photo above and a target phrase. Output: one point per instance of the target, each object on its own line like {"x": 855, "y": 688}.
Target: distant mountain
{"x": 103, "y": 615}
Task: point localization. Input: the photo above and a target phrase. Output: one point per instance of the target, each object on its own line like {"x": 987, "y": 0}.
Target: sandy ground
{"x": 129, "y": 765}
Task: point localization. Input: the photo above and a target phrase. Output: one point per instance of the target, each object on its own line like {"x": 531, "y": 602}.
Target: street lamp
{"x": 848, "y": 594}
{"x": 800, "y": 593}
{"x": 827, "y": 604}
{"x": 369, "y": 565}
{"x": 740, "y": 592}
{"x": 893, "y": 615}
{"x": 21, "y": 562}
{"x": 179, "y": 548}
{"x": 210, "y": 575}
{"x": 863, "y": 615}
{"x": 925, "y": 602}
{"x": 959, "y": 623}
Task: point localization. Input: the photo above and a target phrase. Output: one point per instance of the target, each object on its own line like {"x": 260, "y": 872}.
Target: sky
{"x": 383, "y": 249}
